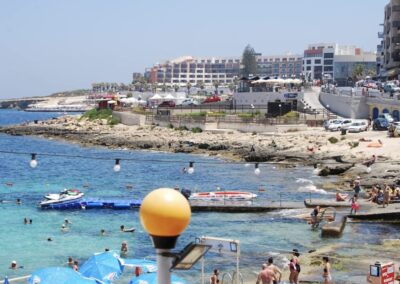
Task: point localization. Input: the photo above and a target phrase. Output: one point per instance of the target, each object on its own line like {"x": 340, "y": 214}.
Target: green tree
{"x": 249, "y": 61}
{"x": 358, "y": 72}
{"x": 129, "y": 95}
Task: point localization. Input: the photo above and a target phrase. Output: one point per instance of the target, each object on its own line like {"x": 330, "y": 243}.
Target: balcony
{"x": 380, "y": 34}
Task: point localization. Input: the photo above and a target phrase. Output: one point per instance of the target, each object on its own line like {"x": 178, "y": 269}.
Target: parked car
{"x": 346, "y": 123}
{"x": 167, "y": 104}
{"x": 358, "y": 126}
{"x": 391, "y": 88}
{"x": 189, "y": 102}
{"x": 335, "y": 125}
{"x": 386, "y": 116}
{"x": 380, "y": 124}
{"x": 212, "y": 99}
{"x": 329, "y": 122}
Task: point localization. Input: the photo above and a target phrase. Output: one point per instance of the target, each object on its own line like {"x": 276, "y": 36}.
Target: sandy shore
{"x": 310, "y": 147}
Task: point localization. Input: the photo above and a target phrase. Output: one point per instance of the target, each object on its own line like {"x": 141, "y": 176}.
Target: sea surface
{"x": 260, "y": 235}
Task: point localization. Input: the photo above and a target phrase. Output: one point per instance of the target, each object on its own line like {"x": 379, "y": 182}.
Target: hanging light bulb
{"x": 117, "y": 166}
{"x": 33, "y": 162}
{"x": 191, "y": 168}
{"x": 256, "y": 169}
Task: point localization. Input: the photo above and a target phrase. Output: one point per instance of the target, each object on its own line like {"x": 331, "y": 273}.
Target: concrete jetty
{"x": 390, "y": 213}
{"x": 334, "y": 229}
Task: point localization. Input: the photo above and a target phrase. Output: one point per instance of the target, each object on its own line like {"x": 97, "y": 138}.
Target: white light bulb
{"x": 190, "y": 170}
{"x": 33, "y": 164}
{"x": 117, "y": 168}
{"x": 257, "y": 171}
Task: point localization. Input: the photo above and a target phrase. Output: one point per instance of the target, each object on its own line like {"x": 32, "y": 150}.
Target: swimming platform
{"x": 223, "y": 206}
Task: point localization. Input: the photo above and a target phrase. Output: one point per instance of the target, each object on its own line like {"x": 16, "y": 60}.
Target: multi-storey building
{"x": 284, "y": 66}
{"x": 392, "y": 39}
{"x": 344, "y": 66}
{"x": 206, "y": 71}
{"x": 380, "y": 55}
{"x": 318, "y": 61}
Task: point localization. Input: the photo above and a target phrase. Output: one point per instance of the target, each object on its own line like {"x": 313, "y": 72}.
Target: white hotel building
{"x": 206, "y": 71}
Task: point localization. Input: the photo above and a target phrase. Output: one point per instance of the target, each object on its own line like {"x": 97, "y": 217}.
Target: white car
{"x": 358, "y": 127}
{"x": 329, "y": 122}
{"x": 335, "y": 125}
{"x": 346, "y": 123}
{"x": 189, "y": 102}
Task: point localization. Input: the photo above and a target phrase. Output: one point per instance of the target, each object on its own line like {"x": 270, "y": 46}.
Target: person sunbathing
{"x": 370, "y": 162}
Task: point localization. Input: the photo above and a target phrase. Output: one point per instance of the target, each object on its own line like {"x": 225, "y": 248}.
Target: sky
{"x": 48, "y": 46}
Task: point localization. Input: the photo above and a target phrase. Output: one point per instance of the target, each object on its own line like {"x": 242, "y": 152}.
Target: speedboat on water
{"x": 65, "y": 196}
{"x": 223, "y": 195}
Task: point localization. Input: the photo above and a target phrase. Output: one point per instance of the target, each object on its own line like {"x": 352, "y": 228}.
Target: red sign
{"x": 387, "y": 273}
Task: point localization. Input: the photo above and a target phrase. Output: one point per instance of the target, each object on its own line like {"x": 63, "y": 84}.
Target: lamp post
{"x": 164, "y": 214}
{"x": 327, "y": 108}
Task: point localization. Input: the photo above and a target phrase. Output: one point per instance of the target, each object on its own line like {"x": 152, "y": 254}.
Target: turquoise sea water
{"x": 260, "y": 234}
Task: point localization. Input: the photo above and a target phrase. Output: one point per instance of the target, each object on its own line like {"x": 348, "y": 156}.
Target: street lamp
{"x": 164, "y": 214}
{"x": 280, "y": 110}
{"x": 327, "y": 108}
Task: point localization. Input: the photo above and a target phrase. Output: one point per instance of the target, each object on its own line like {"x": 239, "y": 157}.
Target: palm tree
{"x": 216, "y": 85}
{"x": 188, "y": 87}
{"x": 176, "y": 87}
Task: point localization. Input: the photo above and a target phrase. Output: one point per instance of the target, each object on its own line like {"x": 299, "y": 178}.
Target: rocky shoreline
{"x": 308, "y": 148}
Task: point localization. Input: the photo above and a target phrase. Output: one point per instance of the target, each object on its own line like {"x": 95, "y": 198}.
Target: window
{"x": 328, "y": 68}
{"x": 328, "y": 55}
{"x": 308, "y": 61}
{"x": 328, "y": 62}
{"x": 308, "y": 68}
{"x": 317, "y": 61}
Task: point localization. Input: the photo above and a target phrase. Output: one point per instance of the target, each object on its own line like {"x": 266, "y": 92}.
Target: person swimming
{"x": 129, "y": 230}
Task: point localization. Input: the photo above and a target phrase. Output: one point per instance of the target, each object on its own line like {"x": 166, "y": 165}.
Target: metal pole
{"x": 202, "y": 270}
{"x": 163, "y": 266}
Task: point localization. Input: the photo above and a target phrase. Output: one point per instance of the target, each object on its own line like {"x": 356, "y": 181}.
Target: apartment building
{"x": 318, "y": 61}
{"x": 391, "y": 39}
{"x": 283, "y": 66}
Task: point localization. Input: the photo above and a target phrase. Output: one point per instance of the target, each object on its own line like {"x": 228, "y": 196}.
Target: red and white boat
{"x": 223, "y": 195}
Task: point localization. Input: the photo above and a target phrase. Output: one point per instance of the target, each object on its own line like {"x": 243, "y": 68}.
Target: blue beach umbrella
{"x": 59, "y": 275}
{"x": 147, "y": 266}
{"x": 151, "y": 278}
{"x": 105, "y": 266}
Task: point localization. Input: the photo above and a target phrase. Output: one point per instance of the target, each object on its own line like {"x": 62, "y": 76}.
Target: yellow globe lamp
{"x": 164, "y": 214}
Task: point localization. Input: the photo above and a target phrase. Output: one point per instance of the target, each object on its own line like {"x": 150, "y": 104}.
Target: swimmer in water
{"x": 102, "y": 232}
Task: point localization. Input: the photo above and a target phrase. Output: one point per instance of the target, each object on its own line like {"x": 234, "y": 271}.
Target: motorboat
{"x": 64, "y": 197}
{"x": 223, "y": 195}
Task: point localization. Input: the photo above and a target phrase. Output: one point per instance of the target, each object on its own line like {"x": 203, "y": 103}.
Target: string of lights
{"x": 117, "y": 166}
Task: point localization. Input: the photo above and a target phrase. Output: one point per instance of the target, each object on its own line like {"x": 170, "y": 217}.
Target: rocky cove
{"x": 311, "y": 147}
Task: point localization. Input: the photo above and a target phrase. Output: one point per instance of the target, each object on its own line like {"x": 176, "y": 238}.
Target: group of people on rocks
{"x": 271, "y": 274}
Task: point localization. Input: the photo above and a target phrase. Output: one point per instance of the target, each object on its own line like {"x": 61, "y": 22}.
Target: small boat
{"x": 64, "y": 197}
{"x": 223, "y": 195}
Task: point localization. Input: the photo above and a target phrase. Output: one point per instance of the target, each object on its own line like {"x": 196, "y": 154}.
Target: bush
{"x": 197, "y": 130}
{"x": 97, "y": 114}
{"x": 292, "y": 114}
{"x": 180, "y": 128}
{"x": 292, "y": 130}
{"x": 353, "y": 144}
{"x": 333, "y": 140}
{"x": 113, "y": 120}
{"x": 216, "y": 114}
{"x": 170, "y": 125}
{"x": 140, "y": 110}
{"x": 245, "y": 115}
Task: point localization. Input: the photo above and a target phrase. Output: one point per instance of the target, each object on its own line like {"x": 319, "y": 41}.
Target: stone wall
{"x": 346, "y": 106}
